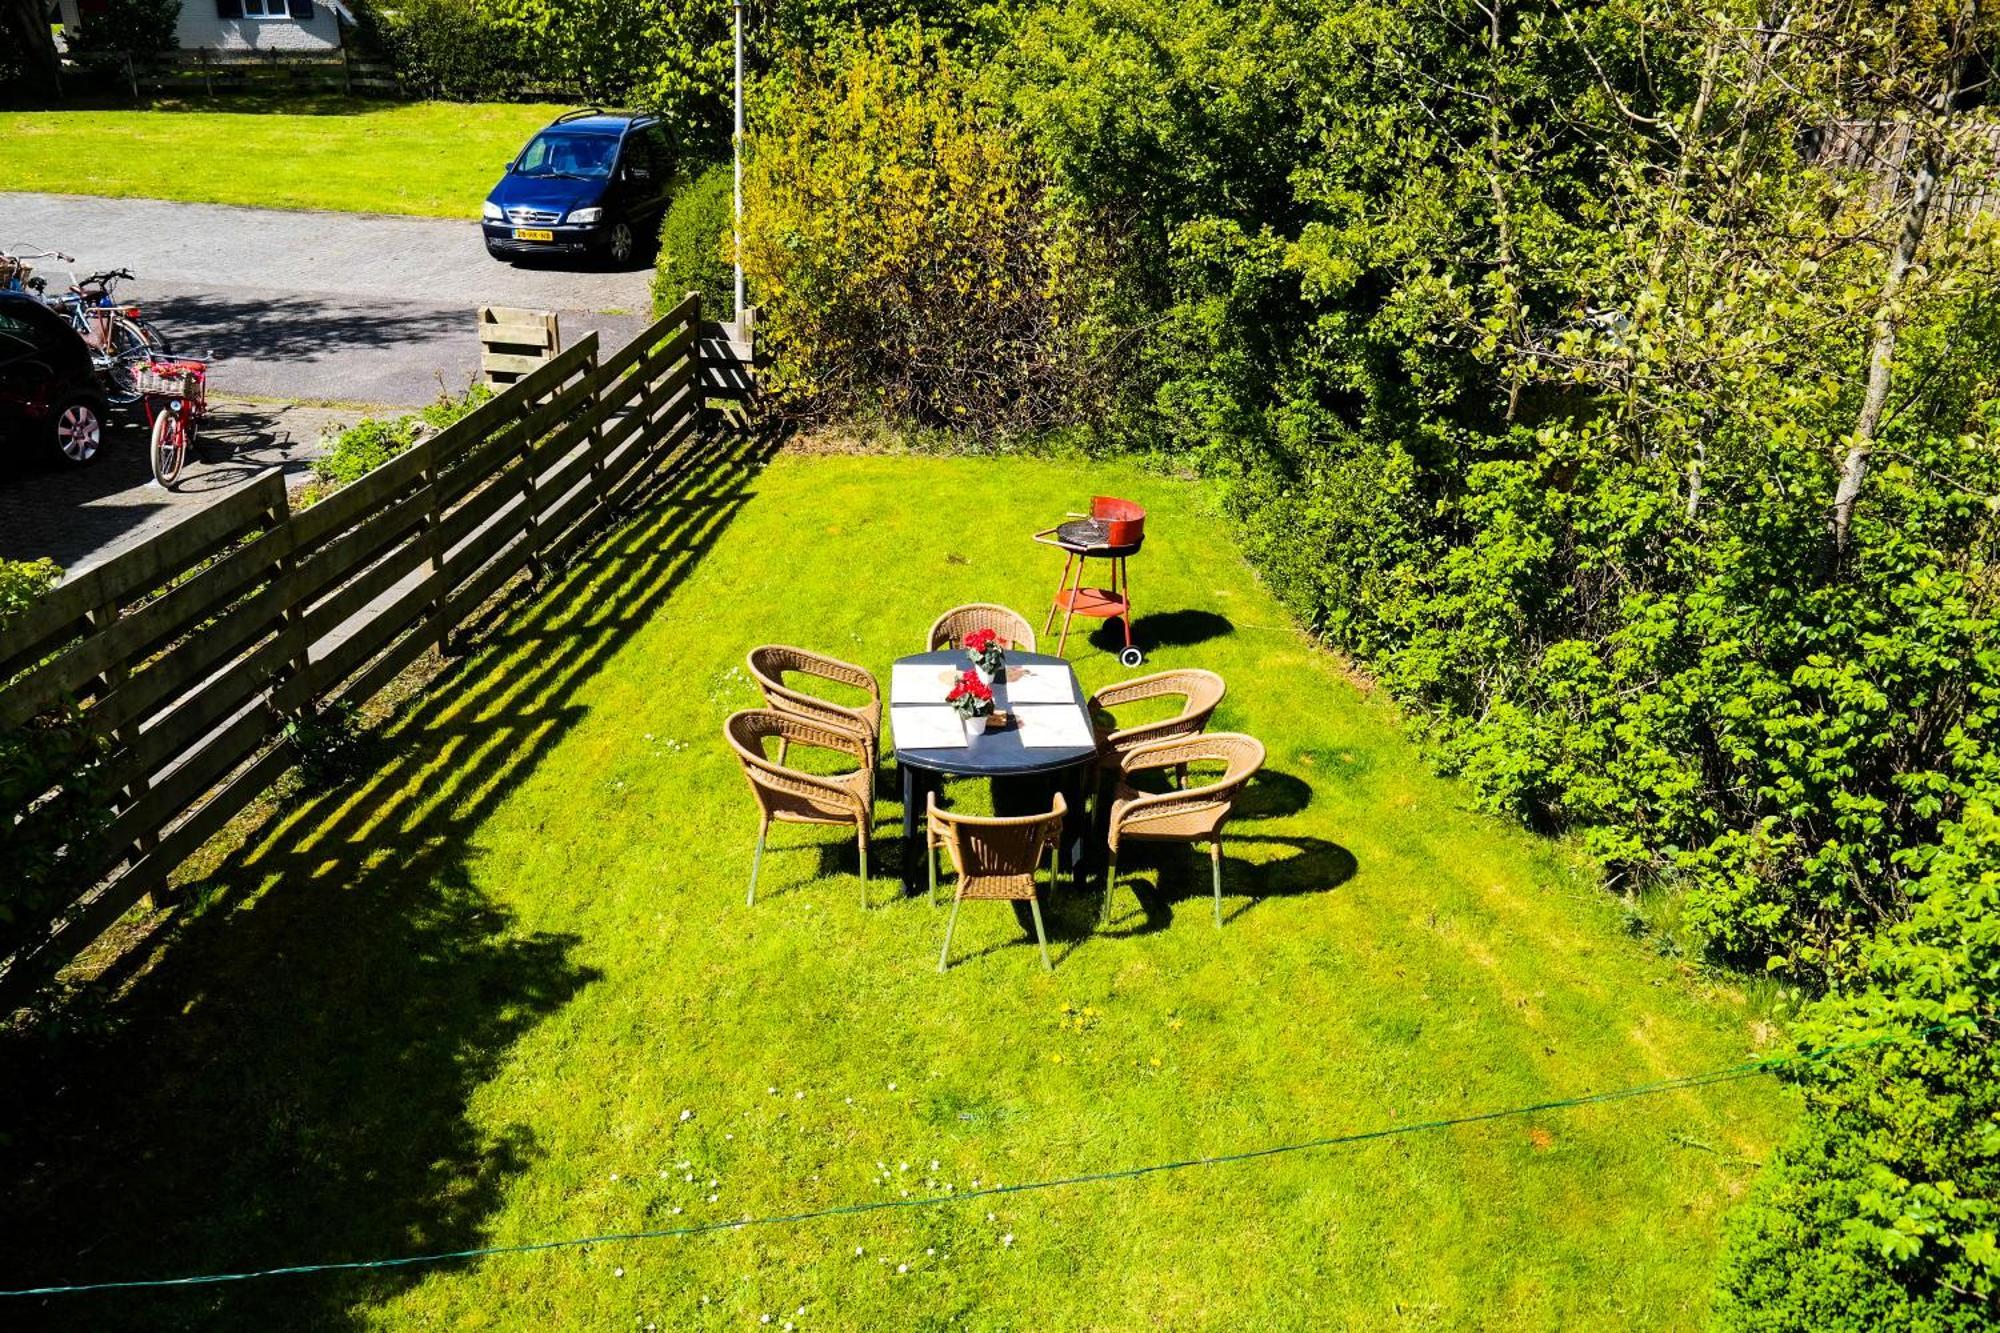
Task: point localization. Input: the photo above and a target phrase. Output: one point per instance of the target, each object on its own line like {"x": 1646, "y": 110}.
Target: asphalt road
{"x": 347, "y": 307}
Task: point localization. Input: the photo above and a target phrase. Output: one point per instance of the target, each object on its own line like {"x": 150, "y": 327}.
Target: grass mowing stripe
{"x": 1748, "y": 1069}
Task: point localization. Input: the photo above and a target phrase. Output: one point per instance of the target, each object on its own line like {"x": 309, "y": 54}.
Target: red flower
{"x": 979, "y": 641}
{"x": 969, "y": 687}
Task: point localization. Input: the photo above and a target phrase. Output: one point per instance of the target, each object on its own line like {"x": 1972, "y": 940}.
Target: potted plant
{"x": 973, "y": 698}
{"x": 988, "y": 658}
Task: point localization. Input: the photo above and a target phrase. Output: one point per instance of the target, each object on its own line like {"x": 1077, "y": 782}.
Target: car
{"x": 592, "y": 184}
{"x": 49, "y": 392}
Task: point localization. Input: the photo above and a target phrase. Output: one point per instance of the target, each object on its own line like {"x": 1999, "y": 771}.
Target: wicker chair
{"x": 770, "y": 664}
{"x": 950, "y": 629}
{"x": 1191, "y": 814}
{"x": 1200, "y": 692}
{"x": 791, "y": 796}
{"x": 996, "y": 859}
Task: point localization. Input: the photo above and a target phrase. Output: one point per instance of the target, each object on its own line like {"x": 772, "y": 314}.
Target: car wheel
{"x": 78, "y": 431}
{"x": 618, "y": 248}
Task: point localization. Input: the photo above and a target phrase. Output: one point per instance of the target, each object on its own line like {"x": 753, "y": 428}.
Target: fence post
{"x": 433, "y": 539}
{"x": 528, "y": 514}
{"x": 201, "y": 59}
{"x": 346, "y": 73}
{"x": 131, "y": 76}
{"x": 698, "y": 357}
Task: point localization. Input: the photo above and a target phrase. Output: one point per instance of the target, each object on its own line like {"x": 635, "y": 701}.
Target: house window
{"x": 265, "y": 9}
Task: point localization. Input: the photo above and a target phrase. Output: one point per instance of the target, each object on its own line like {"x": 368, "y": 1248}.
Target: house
{"x": 241, "y": 25}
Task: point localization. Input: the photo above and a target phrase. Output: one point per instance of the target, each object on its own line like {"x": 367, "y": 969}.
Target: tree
{"x": 28, "y": 49}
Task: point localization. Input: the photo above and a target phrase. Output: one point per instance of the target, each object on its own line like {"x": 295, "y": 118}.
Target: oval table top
{"x": 994, "y": 753}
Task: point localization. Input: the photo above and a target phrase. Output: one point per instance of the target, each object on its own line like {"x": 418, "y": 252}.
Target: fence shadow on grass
{"x": 286, "y": 1078}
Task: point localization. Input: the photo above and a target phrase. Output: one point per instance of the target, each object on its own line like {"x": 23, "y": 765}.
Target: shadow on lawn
{"x": 286, "y": 1079}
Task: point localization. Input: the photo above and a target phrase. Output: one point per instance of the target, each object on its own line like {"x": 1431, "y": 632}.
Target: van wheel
{"x": 78, "y": 430}
{"x": 618, "y": 248}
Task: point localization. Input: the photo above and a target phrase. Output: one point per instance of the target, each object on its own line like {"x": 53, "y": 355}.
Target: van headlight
{"x": 584, "y": 215}
{"x": 491, "y": 212}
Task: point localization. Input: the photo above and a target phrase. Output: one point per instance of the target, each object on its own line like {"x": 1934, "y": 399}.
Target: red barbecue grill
{"x": 1112, "y": 530}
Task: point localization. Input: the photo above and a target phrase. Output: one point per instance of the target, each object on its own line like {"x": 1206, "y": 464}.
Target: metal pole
{"x": 736, "y": 156}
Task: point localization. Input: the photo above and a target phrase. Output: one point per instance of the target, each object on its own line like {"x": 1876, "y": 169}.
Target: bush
{"x": 21, "y": 582}
{"x": 694, "y": 245}
{"x": 897, "y": 237}
{"x": 450, "y": 49}
{"x": 1882, "y": 1210}
{"x": 357, "y": 450}
{"x": 138, "y": 26}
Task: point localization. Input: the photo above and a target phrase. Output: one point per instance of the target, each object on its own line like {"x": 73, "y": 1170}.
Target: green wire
{"x": 1748, "y": 1069}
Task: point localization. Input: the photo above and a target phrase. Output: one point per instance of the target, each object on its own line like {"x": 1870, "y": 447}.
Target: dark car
{"x": 593, "y": 184}
{"x": 49, "y": 395}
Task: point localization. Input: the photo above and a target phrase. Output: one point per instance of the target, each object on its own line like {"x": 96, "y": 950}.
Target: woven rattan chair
{"x": 950, "y": 629}
{"x": 1200, "y": 692}
{"x": 1191, "y": 814}
{"x": 770, "y": 664}
{"x": 996, "y": 859}
{"x": 791, "y": 796}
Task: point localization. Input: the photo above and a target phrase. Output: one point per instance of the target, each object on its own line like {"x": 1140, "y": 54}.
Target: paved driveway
{"x": 351, "y": 307}
{"x": 342, "y": 307}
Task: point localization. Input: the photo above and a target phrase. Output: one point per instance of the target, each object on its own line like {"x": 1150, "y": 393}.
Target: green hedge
{"x": 694, "y": 245}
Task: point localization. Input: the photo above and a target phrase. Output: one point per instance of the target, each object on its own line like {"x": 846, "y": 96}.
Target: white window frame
{"x": 266, "y": 10}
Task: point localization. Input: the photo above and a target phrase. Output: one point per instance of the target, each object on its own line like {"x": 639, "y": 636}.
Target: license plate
{"x": 532, "y": 234}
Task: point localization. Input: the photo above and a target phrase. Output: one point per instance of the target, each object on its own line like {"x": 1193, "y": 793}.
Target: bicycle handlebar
{"x": 38, "y": 254}
{"x": 107, "y": 277}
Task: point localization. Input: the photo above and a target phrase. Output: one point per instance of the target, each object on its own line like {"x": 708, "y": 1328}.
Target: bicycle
{"x": 174, "y": 394}
{"x": 119, "y": 338}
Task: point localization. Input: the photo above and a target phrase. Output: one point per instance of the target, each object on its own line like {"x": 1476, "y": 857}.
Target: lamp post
{"x": 736, "y": 162}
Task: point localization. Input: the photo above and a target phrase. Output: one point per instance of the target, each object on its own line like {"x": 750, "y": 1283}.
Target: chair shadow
{"x": 1181, "y": 874}
{"x": 286, "y": 1073}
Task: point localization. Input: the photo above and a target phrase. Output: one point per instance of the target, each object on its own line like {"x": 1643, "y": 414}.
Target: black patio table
{"x": 1024, "y": 778}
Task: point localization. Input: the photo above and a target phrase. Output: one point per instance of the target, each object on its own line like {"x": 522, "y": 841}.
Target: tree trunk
{"x": 24, "y": 28}
{"x": 1888, "y": 319}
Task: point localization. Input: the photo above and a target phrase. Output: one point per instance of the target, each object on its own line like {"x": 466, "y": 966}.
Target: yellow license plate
{"x": 529, "y": 234}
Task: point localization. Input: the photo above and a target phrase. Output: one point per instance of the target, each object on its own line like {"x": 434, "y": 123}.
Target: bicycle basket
{"x": 165, "y": 382}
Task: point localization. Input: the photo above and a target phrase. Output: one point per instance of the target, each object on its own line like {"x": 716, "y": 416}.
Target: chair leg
{"x": 950, "y": 924}
{"x": 784, "y": 744}
{"x": 1041, "y": 938}
{"x": 1215, "y": 865}
{"x": 756, "y": 861}
{"x": 930, "y": 862}
{"x": 864, "y": 874}
{"x": 1110, "y": 887}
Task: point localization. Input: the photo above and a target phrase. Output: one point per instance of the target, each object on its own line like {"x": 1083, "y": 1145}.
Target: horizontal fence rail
{"x": 145, "y": 702}
{"x": 183, "y": 73}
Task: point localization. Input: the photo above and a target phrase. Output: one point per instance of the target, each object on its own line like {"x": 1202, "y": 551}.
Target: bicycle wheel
{"x": 152, "y": 337}
{"x": 169, "y": 447}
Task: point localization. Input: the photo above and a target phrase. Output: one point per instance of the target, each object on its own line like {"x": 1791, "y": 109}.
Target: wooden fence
{"x": 186, "y": 73}
{"x": 181, "y": 662}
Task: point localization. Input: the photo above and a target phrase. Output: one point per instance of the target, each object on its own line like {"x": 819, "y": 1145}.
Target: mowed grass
{"x": 507, "y": 991}
{"x": 431, "y": 159}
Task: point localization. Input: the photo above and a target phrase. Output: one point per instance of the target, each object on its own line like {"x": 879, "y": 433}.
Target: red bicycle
{"x": 175, "y": 396}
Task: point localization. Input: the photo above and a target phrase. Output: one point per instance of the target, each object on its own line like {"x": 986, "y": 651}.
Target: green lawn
{"x": 433, "y": 159}
{"x": 507, "y": 990}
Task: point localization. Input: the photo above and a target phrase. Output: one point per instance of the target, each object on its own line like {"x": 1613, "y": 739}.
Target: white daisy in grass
{"x": 1007, "y": 1239}
{"x": 857, "y": 1251}
{"x": 902, "y": 1268}
{"x": 618, "y": 1272}
{"x": 687, "y": 1115}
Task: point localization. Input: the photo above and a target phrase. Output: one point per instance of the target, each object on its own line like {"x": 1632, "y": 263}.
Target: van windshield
{"x": 567, "y": 153}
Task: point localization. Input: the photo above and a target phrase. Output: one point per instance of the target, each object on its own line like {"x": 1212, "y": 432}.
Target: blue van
{"x": 592, "y": 184}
